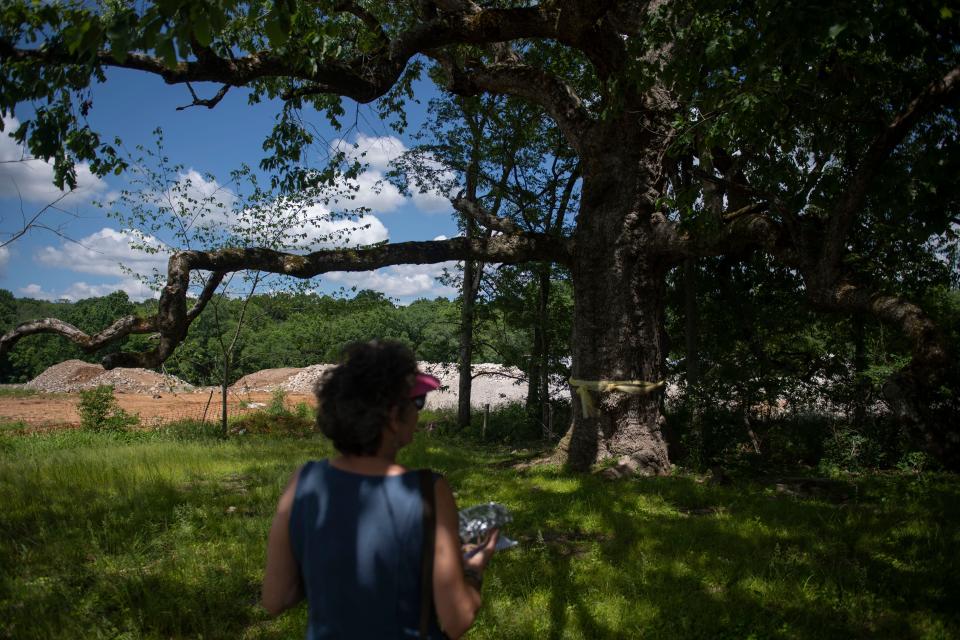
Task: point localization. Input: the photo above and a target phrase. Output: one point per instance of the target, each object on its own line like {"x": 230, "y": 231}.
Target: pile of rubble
{"x": 493, "y": 384}
{"x": 76, "y": 375}
{"x": 306, "y": 379}
{"x": 265, "y": 380}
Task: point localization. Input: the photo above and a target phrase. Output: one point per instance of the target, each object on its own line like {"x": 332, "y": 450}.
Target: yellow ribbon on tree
{"x": 633, "y": 387}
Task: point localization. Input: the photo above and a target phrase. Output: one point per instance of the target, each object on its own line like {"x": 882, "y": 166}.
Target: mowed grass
{"x": 162, "y": 535}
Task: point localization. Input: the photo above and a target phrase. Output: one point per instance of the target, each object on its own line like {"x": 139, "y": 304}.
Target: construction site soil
{"x": 159, "y": 398}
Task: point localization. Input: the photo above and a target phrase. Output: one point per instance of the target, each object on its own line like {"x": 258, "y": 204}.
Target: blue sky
{"x": 85, "y": 258}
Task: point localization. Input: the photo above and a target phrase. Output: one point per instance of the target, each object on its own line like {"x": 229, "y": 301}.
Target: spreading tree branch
{"x": 745, "y": 230}
{"x": 364, "y": 77}
{"x": 32, "y": 222}
{"x": 535, "y": 85}
{"x": 366, "y": 17}
{"x": 209, "y": 103}
{"x": 205, "y": 295}
{"x": 173, "y": 319}
{"x": 119, "y": 329}
{"x": 471, "y": 209}
{"x": 934, "y": 95}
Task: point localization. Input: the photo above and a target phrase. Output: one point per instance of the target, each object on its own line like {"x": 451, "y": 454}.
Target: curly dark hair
{"x": 355, "y": 397}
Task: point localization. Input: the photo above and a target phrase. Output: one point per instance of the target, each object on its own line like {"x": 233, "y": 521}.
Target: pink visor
{"x": 423, "y": 384}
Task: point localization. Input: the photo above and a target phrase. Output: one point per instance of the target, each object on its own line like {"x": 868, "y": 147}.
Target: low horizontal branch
{"x": 120, "y": 329}
{"x": 173, "y": 318}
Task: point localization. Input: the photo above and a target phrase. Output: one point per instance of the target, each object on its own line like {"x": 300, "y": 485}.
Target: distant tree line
{"x": 279, "y": 330}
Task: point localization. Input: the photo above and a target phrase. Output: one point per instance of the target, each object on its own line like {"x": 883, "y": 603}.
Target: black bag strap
{"x": 426, "y": 562}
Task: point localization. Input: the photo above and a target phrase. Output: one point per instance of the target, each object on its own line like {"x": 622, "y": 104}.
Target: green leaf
{"x": 201, "y": 29}
{"x": 946, "y": 13}
{"x": 836, "y": 30}
{"x": 277, "y": 27}
{"x": 166, "y": 52}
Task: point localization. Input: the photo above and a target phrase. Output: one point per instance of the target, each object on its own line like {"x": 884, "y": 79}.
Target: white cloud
{"x": 431, "y": 202}
{"x": 4, "y": 258}
{"x": 193, "y": 194}
{"x": 32, "y": 179}
{"x": 378, "y": 152}
{"x": 317, "y": 231}
{"x": 137, "y": 291}
{"x": 103, "y": 252}
{"x": 404, "y": 280}
{"x": 381, "y": 196}
{"x": 288, "y": 225}
{"x": 374, "y": 192}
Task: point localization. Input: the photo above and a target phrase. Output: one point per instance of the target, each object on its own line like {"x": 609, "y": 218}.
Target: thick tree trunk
{"x": 619, "y": 300}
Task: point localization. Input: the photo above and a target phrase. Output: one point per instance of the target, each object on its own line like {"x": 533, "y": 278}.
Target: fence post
{"x": 549, "y": 424}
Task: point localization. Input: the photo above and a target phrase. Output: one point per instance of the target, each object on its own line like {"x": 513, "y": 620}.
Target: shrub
{"x": 850, "y": 450}
{"x": 509, "y": 424}
{"x": 99, "y": 411}
{"x": 916, "y": 462}
{"x": 303, "y": 411}
{"x": 278, "y": 403}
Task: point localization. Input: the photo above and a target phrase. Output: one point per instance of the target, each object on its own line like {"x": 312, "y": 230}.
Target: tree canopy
{"x": 823, "y": 137}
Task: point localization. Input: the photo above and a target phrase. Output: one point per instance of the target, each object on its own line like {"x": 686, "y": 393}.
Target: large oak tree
{"x": 702, "y": 128}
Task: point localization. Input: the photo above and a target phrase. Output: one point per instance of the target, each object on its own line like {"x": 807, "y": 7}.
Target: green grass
{"x": 12, "y": 425}
{"x": 17, "y": 392}
{"x": 161, "y": 534}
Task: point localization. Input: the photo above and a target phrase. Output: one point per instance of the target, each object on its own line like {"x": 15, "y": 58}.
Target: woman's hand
{"x": 477, "y": 557}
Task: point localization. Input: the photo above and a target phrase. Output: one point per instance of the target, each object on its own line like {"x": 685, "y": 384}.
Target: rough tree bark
{"x": 619, "y": 284}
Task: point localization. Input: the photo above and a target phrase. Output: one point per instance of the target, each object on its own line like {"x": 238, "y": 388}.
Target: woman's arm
{"x": 281, "y": 579}
{"x": 456, "y": 600}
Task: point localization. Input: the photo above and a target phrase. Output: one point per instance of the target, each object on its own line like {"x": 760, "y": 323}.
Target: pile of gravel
{"x": 493, "y": 384}
{"x": 265, "y": 380}
{"x": 76, "y": 375}
{"x": 305, "y": 379}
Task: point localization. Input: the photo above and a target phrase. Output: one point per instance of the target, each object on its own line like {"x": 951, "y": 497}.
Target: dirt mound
{"x": 76, "y": 375}
{"x": 306, "y": 379}
{"x": 264, "y": 380}
{"x": 65, "y": 374}
{"x": 493, "y": 384}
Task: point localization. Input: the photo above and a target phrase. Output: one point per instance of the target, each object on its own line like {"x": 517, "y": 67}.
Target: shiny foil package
{"x": 478, "y": 521}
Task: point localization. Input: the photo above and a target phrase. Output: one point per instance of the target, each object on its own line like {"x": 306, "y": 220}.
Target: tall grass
{"x": 159, "y": 535}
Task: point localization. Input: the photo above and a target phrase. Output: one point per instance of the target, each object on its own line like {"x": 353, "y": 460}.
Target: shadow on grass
{"x": 750, "y": 564}
{"x": 151, "y": 556}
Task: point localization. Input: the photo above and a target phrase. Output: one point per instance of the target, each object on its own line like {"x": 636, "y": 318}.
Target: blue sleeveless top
{"x": 357, "y": 540}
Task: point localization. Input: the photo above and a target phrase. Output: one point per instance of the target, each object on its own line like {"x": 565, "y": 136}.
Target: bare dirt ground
{"x": 50, "y": 409}
{"x": 160, "y": 398}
